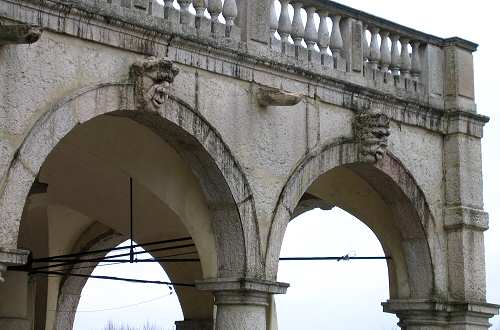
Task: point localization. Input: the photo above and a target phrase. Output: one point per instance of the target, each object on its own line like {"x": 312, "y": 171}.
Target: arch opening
{"x": 384, "y": 196}
{"x": 219, "y": 176}
{"x": 107, "y": 303}
{"x": 186, "y": 183}
{"x": 333, "y": 292}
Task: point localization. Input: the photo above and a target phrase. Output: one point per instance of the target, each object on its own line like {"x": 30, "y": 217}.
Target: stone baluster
{"x": 310, "y": 33}
{"x": 185, "y": 15}
{"x": 229, "y": 11}
{"x": 415, "y": 59}
{"x": 284, "y": 24}
{"x": 385, "y": 52}
{"x": 336, "y": 42}
{"x": 273, "y": 23}
{"x": 323, "y": 35}
{"x": 395, "y": 55}
{"x": 168, "y": 9}
{"x": 366, "y": 47}
{"x": 199, "y": 7}
{"x": 214, "y": 9}
{"x": 405, "y": 58}
{"x": 297, "y": 27}
{"x": 374, "y": 56}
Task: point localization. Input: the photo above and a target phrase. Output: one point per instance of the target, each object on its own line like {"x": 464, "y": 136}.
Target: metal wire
{"x": 102, "y": 277}
{"x": 80, "y": 254}
{"x": 66, "y": 262}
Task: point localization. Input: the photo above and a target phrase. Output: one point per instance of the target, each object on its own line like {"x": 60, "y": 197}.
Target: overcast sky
{"x": 344, "y": 295}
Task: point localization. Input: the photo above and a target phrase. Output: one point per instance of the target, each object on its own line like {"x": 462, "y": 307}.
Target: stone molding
{"x": 466, "y": 123}
{"x": 462, "y": 217}
{"x": 430, "y": 312}
{"x": 242, "y": 291}
{"x": 11, "y": 257}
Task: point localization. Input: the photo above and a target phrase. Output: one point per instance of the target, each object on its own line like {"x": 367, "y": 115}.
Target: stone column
{"x": 242, "y": 304}
{"x": 15, "y": 302}
{"x": 431, "y": 315}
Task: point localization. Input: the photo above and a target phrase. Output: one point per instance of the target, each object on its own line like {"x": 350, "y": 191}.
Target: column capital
{"x": 11, "y": 257}
{"x": 246, "y": 291}
{"x": 431, "y": 312}
{"x": 460, "y": 217}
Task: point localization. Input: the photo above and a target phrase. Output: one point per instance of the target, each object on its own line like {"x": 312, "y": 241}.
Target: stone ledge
{"x": 242, "y": 285}
{"x": 418, "y": 306}
{"x": 13, "y": 257}
{"x": 459, "y": 217}
{"x": 466, "y": 123}
{"x": 459, "y": 42}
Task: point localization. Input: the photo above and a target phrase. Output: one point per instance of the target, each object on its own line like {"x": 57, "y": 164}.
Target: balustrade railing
{"x": 213, "y": 17}
{"x": 320, "y": 35}
{"x": 337, "y": 36}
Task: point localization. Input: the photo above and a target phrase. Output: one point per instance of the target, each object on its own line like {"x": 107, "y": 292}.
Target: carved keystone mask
{"x": 152, "y": 78}
{"x": 371, "y": 131}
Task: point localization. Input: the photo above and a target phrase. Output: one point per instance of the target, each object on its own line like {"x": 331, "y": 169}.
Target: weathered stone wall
{"x": 268, "y": 143}
{"x": 253, "y": 162}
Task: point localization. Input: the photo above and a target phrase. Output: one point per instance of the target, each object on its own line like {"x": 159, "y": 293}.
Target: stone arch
{"x": 71, "y": 286}
{"x": 411, "y": 271}
{"x": 221, "y": 178}
{"x": 97, "y": 237}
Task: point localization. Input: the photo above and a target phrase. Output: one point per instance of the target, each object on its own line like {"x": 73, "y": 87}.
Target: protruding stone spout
{"x": 19, "y": 34}
{"x": 275, "y": 97}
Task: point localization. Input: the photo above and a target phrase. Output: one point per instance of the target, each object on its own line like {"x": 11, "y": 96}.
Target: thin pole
{"x": 131, "y": 222}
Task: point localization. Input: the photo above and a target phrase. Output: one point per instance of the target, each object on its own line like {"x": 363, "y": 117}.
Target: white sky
{"x": 331, "y": 295}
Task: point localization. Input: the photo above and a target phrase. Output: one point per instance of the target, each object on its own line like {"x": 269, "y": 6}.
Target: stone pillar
{"x": 459, "y": 75}
{"x": 431, "y": 315}
{"x": 194, "y": 325}
{"x": 242, "y": 304}
{"x": 253, "y": 19}
{"x": 15, "y": 302}
{"x": 464, "y": 218}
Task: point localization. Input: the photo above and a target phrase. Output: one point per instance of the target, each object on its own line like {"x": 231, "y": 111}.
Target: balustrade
{"x": 383, "y": 46}
{"x": 323, "y": 34}
{"x": 192, "y": 13}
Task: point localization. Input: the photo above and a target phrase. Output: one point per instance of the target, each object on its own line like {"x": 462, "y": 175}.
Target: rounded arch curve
{"x": 96, "y": 237}
{"x": 72, "y": 286}
{"x": 411, "y": 273}
{"x": 221, "y": 178}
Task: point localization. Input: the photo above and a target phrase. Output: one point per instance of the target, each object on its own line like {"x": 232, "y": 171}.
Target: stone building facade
{"x": 232, "y": 119}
